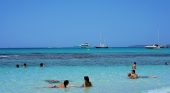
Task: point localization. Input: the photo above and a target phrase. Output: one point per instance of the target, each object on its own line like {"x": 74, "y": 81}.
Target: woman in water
{"x": 62, "y": 85}
{"x": 87, "y": 83}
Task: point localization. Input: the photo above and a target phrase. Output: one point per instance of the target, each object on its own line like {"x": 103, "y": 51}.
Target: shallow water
{"x": 106, "y": 68}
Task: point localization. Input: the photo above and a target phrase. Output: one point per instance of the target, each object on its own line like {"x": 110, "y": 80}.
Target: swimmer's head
{"x": 129, "y": 74}
{"x": 25, "y": 65}
{"x": 166, "y": 63}
{"x": 41, "y": 64}
{"x": 133, "y": 71}
{"x": 66, "y": 82}
{"x": 86, "y": 78}
{"x": 17, "y": 65}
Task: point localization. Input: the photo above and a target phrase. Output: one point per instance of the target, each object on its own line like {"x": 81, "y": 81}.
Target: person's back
{"x": 61, "y": 86}
{"x": 134, "y": 76}
{"x": 88, "y": 84}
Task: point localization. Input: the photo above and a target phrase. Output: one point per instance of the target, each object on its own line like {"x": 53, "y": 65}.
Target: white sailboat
{"x": 156, "y": 46}
{"x": 101, "y": 45}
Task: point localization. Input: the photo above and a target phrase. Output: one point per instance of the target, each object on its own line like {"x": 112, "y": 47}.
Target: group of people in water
{"x": 133, "y": 75}
{"x": 25, "y": 65}
{"x": 86, "y": 83}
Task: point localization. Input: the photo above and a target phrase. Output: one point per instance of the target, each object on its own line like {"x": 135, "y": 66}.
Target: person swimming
{"x": 25, "y": 65}
{"x": 62, "y": 85}
{"x": 17, "y": 65}
{"x": 166, "y": 63}
{"x": 129, "y": 75}
{"x": 133, "y": 75}
{"x": 41, "y": 65}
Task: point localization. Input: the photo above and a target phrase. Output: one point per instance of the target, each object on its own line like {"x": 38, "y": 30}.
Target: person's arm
{"x": 153, "y": 76}
{"x": 84, "y": 85}
{"x": 71, "y": 85}
{"x": 48, "y": 87}
{"x": 132, "y": 77}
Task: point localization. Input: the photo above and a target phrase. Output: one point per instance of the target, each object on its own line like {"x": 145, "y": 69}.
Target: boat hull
{"x": 100, "y": 47}
{"x": 82, "y": 46}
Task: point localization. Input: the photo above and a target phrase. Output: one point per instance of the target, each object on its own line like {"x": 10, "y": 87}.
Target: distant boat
{"x": 84, "y": 45}
{"x": 163, "y": 46}
{"x": 156, "y": 46}
{"x": 101, "y": 45}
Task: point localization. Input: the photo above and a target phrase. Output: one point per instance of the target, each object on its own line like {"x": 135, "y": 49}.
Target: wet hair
{"x": 134, "y": 62}
{"x": 66, "y": 82}
{"x": 129, "y": 74}
{"x": 25, "y": 64}
{"x": 133, "y": 71}
{"x": 86, "y": 78}
{"x": 17, "y": 65}
{"x": 41, "y": 64}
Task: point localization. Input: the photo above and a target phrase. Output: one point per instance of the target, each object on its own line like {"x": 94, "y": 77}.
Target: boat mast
{"x": 158, "y": 36}
{"x": 100, "y": 38}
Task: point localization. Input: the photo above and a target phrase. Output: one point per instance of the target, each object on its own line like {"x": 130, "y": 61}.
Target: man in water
{"x": 133, "y": 75}
{"x": 134, "y": 65}
{"x": 129, "y": 75}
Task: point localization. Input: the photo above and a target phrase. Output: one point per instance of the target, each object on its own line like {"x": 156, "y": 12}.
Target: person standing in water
{"x": 134, "y": 65}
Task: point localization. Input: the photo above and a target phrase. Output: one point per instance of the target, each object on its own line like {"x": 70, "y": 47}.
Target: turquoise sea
{"x": 106, "y": 68}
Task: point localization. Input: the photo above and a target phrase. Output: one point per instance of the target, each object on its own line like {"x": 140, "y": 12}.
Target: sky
{"x": 66, "y": 23}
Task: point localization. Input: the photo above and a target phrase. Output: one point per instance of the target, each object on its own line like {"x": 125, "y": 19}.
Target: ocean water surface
{"x": 106, "y": 68}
